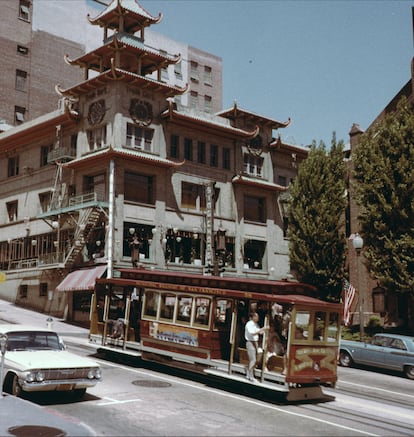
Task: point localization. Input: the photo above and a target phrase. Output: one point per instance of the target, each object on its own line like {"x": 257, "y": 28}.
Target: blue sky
{"x": 325, "y": 64}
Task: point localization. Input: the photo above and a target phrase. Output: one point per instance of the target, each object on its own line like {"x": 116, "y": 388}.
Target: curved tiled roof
{"x": 120, "y": 39}
{"x": 119, "y": 152}
{"x": 119, "y": 74}
{"x": 235, "y": 111}
{"x": 135, "y": 16}
{"x": 263, "y": 184}
{"x": 208, "y": 120}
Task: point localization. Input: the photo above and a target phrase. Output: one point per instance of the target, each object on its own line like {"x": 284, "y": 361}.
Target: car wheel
{"x": 345, "y": 359}
{"x": 409, "y": 372}
{"x": 12, "y": 385}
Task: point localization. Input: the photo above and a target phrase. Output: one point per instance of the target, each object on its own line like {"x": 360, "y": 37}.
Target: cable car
{"x": 199, "y": 320}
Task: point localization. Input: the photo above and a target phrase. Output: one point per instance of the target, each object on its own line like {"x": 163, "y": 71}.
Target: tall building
{"x": 125, "y": 172}
{"x": 35, "y": 36}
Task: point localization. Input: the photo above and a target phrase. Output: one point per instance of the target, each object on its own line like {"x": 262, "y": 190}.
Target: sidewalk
{"x": 20, "y": 417}
{"x": 71, "y": 334}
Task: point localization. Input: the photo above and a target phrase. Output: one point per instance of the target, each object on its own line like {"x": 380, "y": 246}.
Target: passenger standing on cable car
{"x": 251, "y": 334}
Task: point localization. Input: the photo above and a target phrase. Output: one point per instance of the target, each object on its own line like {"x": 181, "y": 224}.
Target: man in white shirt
{"x": 251, "y": 334}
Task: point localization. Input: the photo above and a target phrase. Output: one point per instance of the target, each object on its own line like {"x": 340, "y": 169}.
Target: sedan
{"x": 386, "y": 351}
{"x": 36, "y": 360}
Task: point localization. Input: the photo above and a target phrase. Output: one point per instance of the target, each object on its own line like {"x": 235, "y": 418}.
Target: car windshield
{"x": 32, "y": 340}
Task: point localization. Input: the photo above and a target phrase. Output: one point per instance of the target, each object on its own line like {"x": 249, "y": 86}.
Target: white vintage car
{"x": 36, "y": 360}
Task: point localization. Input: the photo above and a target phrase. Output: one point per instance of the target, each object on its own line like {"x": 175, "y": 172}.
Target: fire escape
{"x": 78, "y": 215}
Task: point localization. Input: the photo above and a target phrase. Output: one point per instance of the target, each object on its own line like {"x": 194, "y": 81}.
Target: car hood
{"x": 47, "y": 359}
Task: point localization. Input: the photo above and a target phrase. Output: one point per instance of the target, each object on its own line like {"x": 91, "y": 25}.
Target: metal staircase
{"x": 88, "y": 219}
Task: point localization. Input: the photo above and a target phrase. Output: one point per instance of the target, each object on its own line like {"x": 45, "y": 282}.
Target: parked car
{"x": 37, "y": 360}
{"x": 386, "y": 351}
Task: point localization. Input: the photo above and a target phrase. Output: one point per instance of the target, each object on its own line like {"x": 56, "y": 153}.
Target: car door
{"x": 373, "y": 353}
{"x": 395, "y": 355}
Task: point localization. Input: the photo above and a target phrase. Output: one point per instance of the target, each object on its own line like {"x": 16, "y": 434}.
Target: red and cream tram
{"x": 200, "y": 320}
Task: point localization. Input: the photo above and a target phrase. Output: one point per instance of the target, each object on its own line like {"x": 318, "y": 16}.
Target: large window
{"x": 194, "y": 71}
{"x": 139, "y": 188}
{"x": 19, "y": 114}
{"x": 44, "y": 152}
{"x": 226, "y": 158}
{"x": 24, "y": 10}
{"x": 214, "y": 155}
{"x": 137, "y": 241}
{"x": 208, "y": 76}
{"x": 255, "y": 209}
{"x": 254, "y": 252}
{"x": 193, "y": 99}
{"x": 139, "y": 137}
{"x": 97, "y": 138}
{"x": 188, "y": 149}
{"x": 12, "y": 211}
{"x": 21, "y": 80}
{"x": 96, "y": 184}
{"x": 13, "y": 166}
{"x": 253, "y": 165}
{"x": 201, "y": 152}
{"x": 44, "y": 200}
{"x": 193, "y": 196}
{"x": 175, "y": 146}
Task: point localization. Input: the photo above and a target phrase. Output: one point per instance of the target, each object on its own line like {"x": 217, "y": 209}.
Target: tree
{"x": 384, "y": 188}
{"x": 316, "y": 220}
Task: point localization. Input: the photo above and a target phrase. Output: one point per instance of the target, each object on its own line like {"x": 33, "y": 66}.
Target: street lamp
{"x": 358, "y": 243}
{"x": 3, "y": 345}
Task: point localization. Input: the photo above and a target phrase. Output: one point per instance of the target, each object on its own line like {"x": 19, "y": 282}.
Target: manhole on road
{"x": 36, "y": 431}
{"x": 151, "y": 383}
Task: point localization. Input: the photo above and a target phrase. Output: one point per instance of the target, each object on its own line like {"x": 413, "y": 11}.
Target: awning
{"x": 81, "y": 279}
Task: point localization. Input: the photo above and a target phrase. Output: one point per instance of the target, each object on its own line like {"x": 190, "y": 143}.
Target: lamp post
{"x": 3, "y": 344}
{"x": 358, "y": 243}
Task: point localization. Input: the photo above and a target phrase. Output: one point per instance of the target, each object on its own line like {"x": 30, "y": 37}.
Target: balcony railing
{"x": 61, "y": 154}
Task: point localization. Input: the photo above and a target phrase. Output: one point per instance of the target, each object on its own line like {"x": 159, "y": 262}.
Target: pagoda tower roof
{"x": 150, "y": 59}
{"x": 118, "y": 74}
{"x": 125, "y": 15}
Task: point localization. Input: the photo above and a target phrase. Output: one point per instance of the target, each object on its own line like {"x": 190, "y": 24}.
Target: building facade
{"x": 126, "y": 172}
{"x": 396, "y": 310}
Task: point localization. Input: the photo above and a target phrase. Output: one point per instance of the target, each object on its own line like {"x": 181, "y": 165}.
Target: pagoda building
{"x": 129, "y": 177}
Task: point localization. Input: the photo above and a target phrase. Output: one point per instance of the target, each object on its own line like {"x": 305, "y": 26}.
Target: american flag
{"x": 349, "y": 297}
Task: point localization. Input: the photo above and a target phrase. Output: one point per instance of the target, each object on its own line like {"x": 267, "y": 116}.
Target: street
{"x": 143, "y": 399}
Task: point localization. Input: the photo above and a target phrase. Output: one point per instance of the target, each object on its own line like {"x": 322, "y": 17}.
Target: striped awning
{"x": 81, "y": 279}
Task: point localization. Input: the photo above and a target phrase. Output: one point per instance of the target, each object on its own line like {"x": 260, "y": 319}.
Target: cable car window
{"x": 319, "y": 325}
{"x": 202, "y": 310}
{"x": 222, "y": 314}
{"x": 184, "y": 308}
{"x": 167, "y": 306}
{"x": 151, "y": 304}
{"x": 302, "y": 325}
{"x": 333, "y": 327}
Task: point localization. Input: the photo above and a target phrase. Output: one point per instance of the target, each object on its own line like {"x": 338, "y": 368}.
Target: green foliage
{"x": 384, "y": 174}
{"x": 316, "y": 213}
